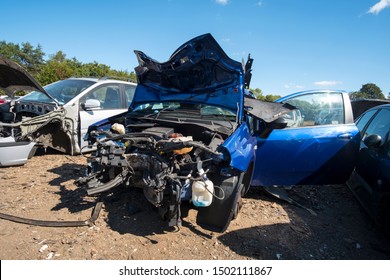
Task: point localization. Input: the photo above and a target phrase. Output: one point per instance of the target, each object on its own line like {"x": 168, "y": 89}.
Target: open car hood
{"x": 359, "y": 106}
{"x": 14, "y": 78}
{"x": 199, "y": 71}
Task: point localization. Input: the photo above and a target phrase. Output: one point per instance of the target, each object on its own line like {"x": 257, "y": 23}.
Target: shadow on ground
{"x": 130, "y": 212}
{"x": 328, "y": 235}
{"x": 74, "y": 199}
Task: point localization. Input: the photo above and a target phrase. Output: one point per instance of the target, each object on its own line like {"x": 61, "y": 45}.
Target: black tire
{"x": 220, "y": 213}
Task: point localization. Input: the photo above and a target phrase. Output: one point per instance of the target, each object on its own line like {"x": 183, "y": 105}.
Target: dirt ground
{"x": 129, "y": 228}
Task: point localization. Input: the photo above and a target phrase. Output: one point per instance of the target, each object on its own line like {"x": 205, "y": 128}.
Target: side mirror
{"x": 91, "y": 104}
{"x": 279, "y": 123}
{"x": 263, "y": 129}
{"x": 373, "y": 141}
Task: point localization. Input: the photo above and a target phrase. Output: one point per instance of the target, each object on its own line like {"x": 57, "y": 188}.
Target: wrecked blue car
{"x": 194, "y": 133}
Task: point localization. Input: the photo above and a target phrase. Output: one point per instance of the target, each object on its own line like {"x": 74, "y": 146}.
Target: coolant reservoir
{"x": 202, "y": 193}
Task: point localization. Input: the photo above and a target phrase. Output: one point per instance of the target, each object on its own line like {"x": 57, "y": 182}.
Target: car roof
{"x": 384, "y": 106}
{"x": 101, "y": 80}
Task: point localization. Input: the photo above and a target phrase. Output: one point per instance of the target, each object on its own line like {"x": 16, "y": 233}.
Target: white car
{"x": 56, "y": 115}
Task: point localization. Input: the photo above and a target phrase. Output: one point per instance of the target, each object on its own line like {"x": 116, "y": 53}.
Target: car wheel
{"x": 237, "y": 206}
{"x": 219, "y": 214}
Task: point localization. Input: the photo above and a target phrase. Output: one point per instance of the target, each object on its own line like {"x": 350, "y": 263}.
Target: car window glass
{"x": 62, "y": 91}
{"x": 364, "y": 119}
{"x": 379, "y": 125}
{"x": 386, "y": 148}
{"x": 322, "y": 108}
{"x": 202, "y": 111}
{"x": 129, "y": 90}
{"x": 108, "y": 96}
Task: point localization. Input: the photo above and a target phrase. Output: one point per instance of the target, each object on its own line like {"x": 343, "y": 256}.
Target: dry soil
{"x": 129, "y": 228}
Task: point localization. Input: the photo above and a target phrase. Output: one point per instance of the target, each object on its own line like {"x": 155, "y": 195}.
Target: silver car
{"x": 56, "y": 115}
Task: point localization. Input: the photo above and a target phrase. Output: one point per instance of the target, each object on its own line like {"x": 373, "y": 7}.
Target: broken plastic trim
{"x": 90, "y": 222}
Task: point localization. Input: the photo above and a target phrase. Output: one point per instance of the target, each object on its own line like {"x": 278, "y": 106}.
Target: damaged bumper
{"x": 15, "y": 153}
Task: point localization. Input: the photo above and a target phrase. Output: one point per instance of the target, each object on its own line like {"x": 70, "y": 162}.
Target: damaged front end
{"x": 169, "y": 166}
{"x": 23, "y": 124}
{"x": 188, "y": 135}
{"x": 170, "y": 143}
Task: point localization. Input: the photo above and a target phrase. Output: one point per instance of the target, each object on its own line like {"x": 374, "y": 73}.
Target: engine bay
{"x": 171, "y": 163}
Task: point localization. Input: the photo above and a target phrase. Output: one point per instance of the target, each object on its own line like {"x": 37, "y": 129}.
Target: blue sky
{"x": 296, "y": 45}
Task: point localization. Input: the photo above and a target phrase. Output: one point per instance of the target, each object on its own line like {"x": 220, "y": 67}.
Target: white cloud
{"x": 222, "y": 2}
{"x": 327, "y": 83}
{"x": 378, "y": 7}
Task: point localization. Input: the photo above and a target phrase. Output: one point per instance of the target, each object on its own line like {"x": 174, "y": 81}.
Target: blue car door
{"x": 318, "y": 146}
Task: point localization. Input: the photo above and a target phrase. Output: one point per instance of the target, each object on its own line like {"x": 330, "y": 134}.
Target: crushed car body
{"x": 189, "y": 135}
{"x": 57, "y": 115}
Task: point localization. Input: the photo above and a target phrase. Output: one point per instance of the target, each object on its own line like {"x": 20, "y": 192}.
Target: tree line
{"x": 368, "y": 91}
{"x": 59, "y": 67}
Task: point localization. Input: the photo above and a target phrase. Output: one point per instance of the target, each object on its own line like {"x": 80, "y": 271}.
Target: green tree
{"x": 32, "y": 57}
{"x": 271, "y": 97}
{"x": 95, "y": 69}
{"x": 58, "y": 66}
{"x": 9, "y": 50}
{"x": 369, "y": 91}
{"x": 54, "y": 71}
{"x": 26, "y": 55}
{"x": 59, "y": 56}
{"x": 258, "y": 93}
{"x": 131, "y": 77}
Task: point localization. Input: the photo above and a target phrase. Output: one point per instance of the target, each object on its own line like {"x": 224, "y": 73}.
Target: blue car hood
{"x": 197, "y": 72}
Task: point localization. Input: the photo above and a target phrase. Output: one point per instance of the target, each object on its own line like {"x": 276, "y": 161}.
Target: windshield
{"x": 62, "y": 91}
{"x": 182, "y": 110}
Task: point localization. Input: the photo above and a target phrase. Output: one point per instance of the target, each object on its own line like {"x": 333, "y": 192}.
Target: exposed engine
{"x": 166, "y": 164}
